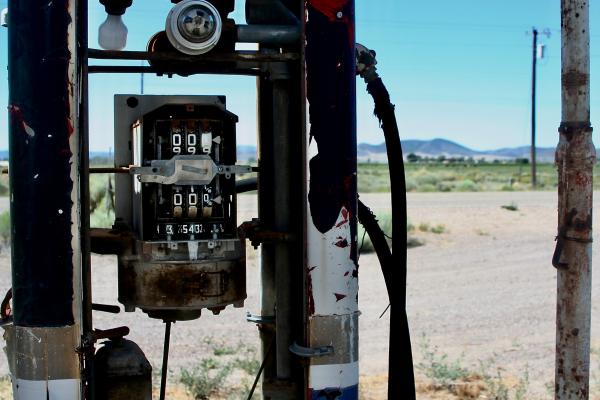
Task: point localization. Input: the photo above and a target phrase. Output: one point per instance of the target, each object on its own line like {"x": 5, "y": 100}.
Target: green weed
{"x": 438, "y": 229}
{"x": 227, "y": 373}
{"x": 205, "y": 380}
{"x": 461, "y": 177}
{"x": 5, "y": 228}
{"x": 438, "y": 367}
{"x": 385, "y": 222}
{"x": 452, "y": 376}
{"x": 499, "y": 389}
{"x": 511, "y": 207}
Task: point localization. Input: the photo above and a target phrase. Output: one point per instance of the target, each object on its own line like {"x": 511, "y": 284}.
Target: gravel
{"x": 485, "y": 288}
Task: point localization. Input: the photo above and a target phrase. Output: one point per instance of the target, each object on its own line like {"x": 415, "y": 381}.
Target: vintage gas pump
{"x": 176, "y": 233}
{"x": 179, "y": 205}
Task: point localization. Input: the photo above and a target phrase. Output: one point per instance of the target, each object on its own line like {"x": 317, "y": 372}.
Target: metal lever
{"x": 186, "y": 170}
{"x": 308, "y": 352}
{"x": 106, "y": 308}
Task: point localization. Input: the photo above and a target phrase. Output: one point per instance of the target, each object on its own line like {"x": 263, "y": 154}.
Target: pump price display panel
{"x": 189, "y": 212}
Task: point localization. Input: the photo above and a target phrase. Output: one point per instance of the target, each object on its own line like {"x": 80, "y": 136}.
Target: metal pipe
{"x": 575, "y": 159}
{"x": 132, "y": 69}
{"x": 238, "y": 56}
{"x": 282, "y": 198}
{"x": 246, "y": 185}
{"x": 266, "y": 209}
{"x": 165, "y": 362}
{"x": 44, "y": 136}
{"x": 109, "y": 170}
{"x": 332, "y": 268}
{"x": 268, "y": 34}
{"x": 88, "y": 350}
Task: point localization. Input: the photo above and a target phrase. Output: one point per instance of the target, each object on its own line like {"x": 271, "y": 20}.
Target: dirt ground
{"x": 483, "y": 289}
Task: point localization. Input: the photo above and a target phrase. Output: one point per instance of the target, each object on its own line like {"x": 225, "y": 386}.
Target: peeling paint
{"x": 339, "y": 296}
{"x": 341, "y": 242}
{"x": 16, "y": 113}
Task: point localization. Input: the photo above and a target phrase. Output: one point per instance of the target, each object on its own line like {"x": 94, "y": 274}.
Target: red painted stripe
{"x": 330, "y": 8}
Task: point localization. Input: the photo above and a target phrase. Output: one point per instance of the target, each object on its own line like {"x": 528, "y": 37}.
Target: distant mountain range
{"x": 432, "y": 148}
{"x": 424, "y": 148}
{"x": 448, "y": 148}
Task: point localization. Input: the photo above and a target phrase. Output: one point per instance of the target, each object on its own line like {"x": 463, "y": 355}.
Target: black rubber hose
{"x": 369, "y": 221}
{"x": 401, "y": 378}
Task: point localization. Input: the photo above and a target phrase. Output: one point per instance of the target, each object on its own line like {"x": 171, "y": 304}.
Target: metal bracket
{"x": 260, "y": 319}
{"x": 308, "y": 352}
{"x": 253, "y": 231}
{"x": 186, "y": 170}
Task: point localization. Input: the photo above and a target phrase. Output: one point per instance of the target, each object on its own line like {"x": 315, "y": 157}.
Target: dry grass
{"x": 5, "y": 388}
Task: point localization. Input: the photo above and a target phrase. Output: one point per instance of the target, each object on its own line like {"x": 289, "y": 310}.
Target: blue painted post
{"x": 45, "y": 200}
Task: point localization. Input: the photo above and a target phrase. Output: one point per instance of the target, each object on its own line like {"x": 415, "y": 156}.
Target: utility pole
{"x": 575, "y": 159}
{"x": 537, "y": 52}
{"x": 533, "y": 88}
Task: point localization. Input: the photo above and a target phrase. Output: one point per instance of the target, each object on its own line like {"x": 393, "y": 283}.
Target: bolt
{"x": 339, "y": 15}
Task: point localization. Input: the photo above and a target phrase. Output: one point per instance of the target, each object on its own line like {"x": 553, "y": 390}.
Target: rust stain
{"x": 309, "y": 290}
{"x": 574, "y": 79}
{"x": 583, "y": 178}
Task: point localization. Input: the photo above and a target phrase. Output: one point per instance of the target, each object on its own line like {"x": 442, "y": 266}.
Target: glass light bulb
{"x": 112, "y": 34}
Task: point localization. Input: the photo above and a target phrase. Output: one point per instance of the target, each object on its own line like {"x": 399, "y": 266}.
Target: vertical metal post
{"x": 45, "y": 200}
{"x": 276, "y": 207}
{"x": 332, "y": 270}
{"x": 533, "y": 90}
{"x": 282, "y": 196}
{"x": 266, "y": 209}
{"x": 575, "y": 158}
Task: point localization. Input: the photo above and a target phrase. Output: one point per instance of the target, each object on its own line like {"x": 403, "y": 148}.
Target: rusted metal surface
{"x": 575, "y": 159}
{"x": 55, "y": 344}
{"x": 164, "y": 282}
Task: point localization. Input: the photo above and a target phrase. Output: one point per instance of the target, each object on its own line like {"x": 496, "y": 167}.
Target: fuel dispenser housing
{"x": 178, "y": 205}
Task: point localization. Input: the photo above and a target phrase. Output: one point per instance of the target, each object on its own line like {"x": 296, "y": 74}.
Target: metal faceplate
{"x": 182, "y": 206}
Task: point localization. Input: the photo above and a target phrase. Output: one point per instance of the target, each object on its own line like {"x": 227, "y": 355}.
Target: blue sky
{"x": 459, "y": 70}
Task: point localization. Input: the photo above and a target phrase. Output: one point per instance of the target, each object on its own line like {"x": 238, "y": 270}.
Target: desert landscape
{"x": 481, "y": 302}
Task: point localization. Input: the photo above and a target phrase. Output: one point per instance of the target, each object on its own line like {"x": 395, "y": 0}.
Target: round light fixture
{"x": 194, "y": 26}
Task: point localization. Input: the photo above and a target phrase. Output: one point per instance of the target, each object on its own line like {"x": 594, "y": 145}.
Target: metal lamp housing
{"x": 194, "y": 26}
